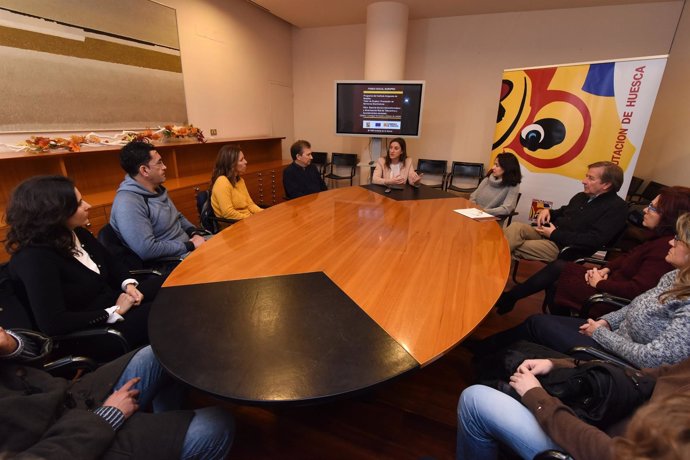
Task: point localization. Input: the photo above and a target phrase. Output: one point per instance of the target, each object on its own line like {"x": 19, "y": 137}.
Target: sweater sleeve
{"x": 480, "y": 187}
{"x": 222, "y": 200}
{"x": 576, "y": 437}
{"x": 42, "y": 282}
{"x": 508, "y": 204}
{"x": 670, "y": 346}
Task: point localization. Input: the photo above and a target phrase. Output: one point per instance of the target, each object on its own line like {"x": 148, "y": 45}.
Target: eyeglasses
{"x": 653, "y": 208}
{"x": 678, "y": 238}
{"x": 157, "y": 163}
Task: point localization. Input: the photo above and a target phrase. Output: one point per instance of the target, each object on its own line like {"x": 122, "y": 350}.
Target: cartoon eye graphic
{"x": 542, "y": 134}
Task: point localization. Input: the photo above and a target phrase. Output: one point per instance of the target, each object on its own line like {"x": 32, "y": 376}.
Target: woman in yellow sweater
{"x": 229, "y": 195}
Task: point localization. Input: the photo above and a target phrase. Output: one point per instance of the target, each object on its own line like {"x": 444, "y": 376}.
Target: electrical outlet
{"x": 214, "y": 132}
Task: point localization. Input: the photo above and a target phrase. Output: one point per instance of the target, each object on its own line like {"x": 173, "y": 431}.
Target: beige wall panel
{"x": 462, "y": 60}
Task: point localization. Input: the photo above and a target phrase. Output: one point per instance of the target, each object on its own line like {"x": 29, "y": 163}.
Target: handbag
{"x": 599, "y": 392}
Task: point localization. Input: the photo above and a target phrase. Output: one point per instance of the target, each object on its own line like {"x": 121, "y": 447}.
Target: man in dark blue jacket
{"x": 301, "y": 177}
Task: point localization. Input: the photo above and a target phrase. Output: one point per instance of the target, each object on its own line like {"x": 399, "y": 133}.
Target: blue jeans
{"x": 210, "y": 433}
{"x": 486, "y": 417}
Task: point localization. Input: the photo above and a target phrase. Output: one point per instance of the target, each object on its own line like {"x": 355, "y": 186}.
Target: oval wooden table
{"x": 328, "y": 294}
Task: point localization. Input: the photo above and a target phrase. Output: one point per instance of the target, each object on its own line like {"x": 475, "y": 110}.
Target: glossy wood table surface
{"x": 427, "y": 275}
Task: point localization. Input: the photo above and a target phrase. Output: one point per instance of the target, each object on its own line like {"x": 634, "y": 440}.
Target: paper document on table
{"x": 476, "y": 214}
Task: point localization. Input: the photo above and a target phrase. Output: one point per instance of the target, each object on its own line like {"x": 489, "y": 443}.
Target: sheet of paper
{"x": 476, "y": 214}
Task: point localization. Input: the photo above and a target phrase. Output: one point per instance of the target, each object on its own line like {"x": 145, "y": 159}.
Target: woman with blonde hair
{"x": 229, "y": 195}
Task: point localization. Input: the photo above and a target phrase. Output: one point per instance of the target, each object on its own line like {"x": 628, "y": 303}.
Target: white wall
{"x": 462, "y": 60}
{"x": 237, "y": 67}
{"x": 665, "y": 155}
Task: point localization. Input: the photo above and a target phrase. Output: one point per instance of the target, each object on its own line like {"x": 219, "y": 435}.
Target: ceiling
{"x": 322, "y": 13}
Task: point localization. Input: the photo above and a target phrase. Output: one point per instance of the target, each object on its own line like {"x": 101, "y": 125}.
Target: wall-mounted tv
{"x": 378, "y": 108}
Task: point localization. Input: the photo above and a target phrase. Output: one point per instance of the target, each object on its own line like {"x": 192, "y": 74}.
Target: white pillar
{"x": 386, "y": 41}
{"x": 384, "y": 59}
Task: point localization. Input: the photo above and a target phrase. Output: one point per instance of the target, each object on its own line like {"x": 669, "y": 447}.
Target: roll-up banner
{"x": 557, "y": 120}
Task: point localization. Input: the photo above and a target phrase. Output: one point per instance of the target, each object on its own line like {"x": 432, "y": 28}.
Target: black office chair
{"x": 100, "y": 344}
{"x": 320, "y": 160}
{"x": 435, "y": 168}
{"x": 648, "y": 194}
{"x": 158, "y": 267}
{"x": 343, "y": 160}
{"x": 635, "y": 184}
{"x": 207, "y": 217}
{"x": 509, "y": 218}
{"x": 462, "y": 170}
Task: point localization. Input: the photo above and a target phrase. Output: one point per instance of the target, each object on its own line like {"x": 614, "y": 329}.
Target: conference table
{"x": 328, "y": 295}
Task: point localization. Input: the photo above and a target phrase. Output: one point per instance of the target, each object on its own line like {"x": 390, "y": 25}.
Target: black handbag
{"x": 600, "y": 393}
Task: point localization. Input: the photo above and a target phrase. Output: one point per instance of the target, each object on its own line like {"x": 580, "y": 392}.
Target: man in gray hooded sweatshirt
{"x": 143, "y": 215}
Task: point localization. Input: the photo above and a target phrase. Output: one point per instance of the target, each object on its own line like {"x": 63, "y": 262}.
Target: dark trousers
{"x": 560, "y": 333}
{"x": 545, "y": 279}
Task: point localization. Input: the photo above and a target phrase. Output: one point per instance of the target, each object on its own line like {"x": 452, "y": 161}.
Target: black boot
{"x": 505, "y": 303}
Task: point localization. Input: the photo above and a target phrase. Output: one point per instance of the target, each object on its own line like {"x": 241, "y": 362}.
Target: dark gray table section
{"x": 410, "y": 193}
{"x": 292, "y": 338}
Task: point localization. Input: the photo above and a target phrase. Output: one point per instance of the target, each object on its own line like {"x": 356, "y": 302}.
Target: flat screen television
{"x": 378, "y": 108}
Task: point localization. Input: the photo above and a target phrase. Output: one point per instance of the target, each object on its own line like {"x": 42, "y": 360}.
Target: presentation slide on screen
{"x": 379, "y": 109}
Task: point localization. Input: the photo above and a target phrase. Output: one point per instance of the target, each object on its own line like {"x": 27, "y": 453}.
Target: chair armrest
{"x": 603, "y": 355}
{"x": 552, "y": 455}
{"x": 101, "y": 344}
{"x": 145, "y": 271}
{"x": 71, "y": 363}
{"x": 590, "y": 260}
{"x": 574, "y": 252}
{"x": 604, "y": 297}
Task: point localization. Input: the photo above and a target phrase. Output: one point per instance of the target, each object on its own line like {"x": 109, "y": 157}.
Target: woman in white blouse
{"x": 396, "y": 167}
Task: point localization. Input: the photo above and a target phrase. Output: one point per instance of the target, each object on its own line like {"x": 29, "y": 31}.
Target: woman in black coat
{"x": 69, "y": 280}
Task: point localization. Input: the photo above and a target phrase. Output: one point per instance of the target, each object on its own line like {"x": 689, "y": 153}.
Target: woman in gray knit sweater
{"x": 654, "y": 329}
{"x": 498, "y": 193}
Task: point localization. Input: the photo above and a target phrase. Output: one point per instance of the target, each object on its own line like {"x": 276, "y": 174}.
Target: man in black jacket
{"x": 590, "y": 220}
{"x": 301, "y": 177}
{"x": 97, "y": 416}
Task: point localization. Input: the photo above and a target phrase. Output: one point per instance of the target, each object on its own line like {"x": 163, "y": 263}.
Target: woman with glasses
{"x": 568, "y": 285}
{"x": 229, "y": 195}
{"x": 69, "y": 280}
{"x": 652, "y": 330}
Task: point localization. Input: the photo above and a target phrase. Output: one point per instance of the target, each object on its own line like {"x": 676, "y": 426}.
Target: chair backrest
{"x": 344, "y": 159}
{"x": 439, "y": 167}
{"x": 203, "y": 206}
{"x": 319, "y": 158}
{"x": 652, "y": 190}
{"x": 635, "y": 183}
{"x": 109, "y": 238}
{"x": 464, "y": 169}
{"x": 13, "y": 313}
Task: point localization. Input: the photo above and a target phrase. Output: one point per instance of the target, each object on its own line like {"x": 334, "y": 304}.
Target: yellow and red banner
{"x": 557, "y": 120}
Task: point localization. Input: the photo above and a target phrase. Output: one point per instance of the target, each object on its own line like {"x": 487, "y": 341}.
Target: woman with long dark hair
{"x": 229, "y": 195}
{"x": 498, "y": 193}
{"x": 69, "y": 279}
{"x": 396, "y": 167}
